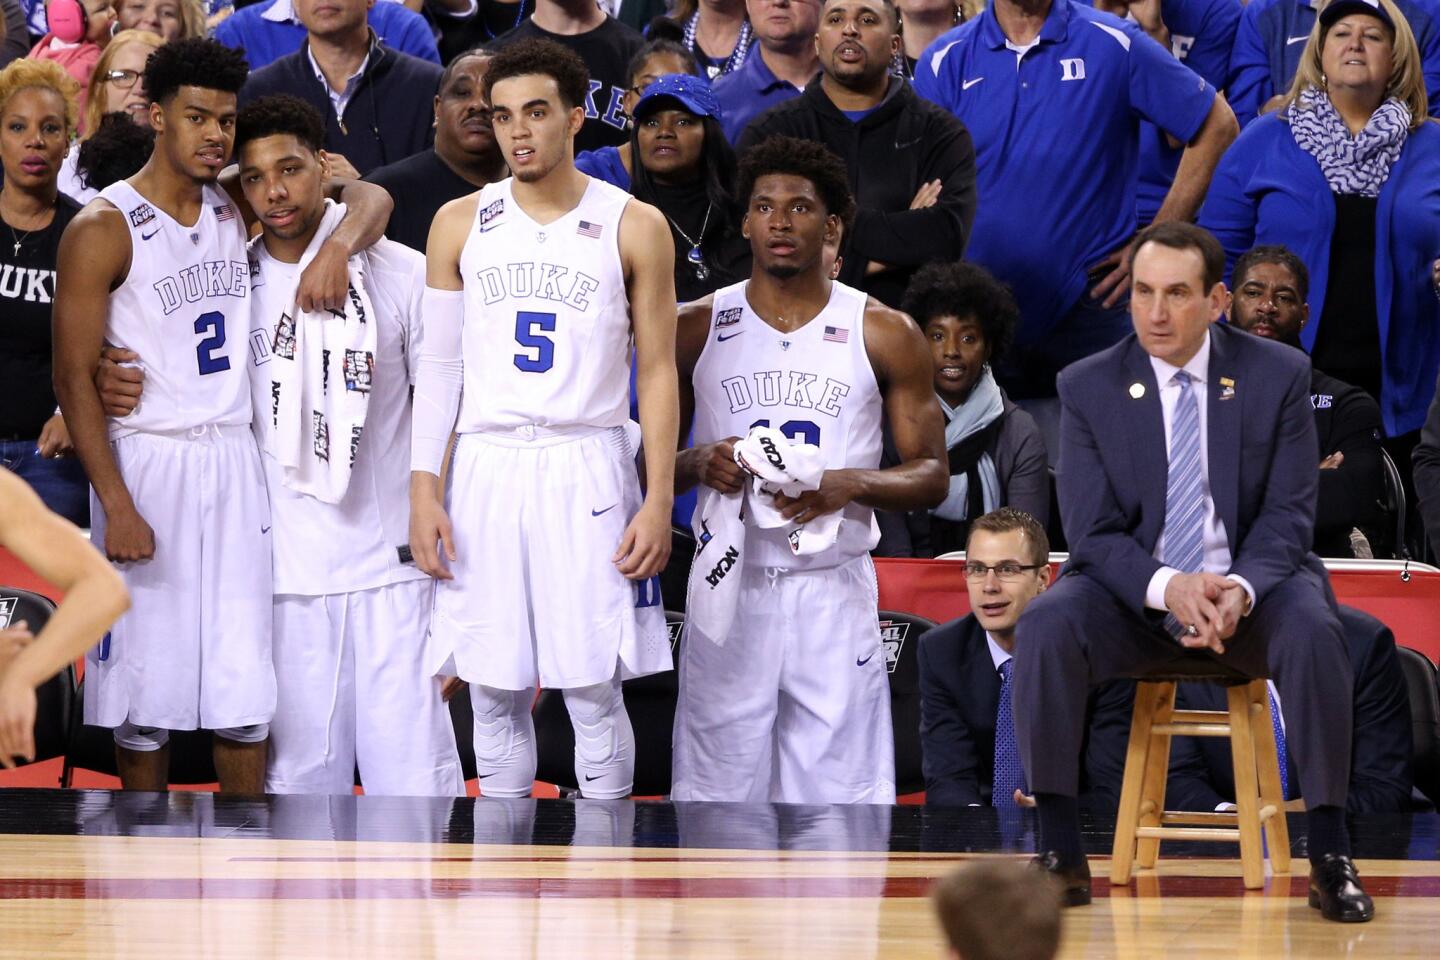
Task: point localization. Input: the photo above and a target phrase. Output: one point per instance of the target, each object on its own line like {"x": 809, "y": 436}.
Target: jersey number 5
{"x": 211, "y": 324}
{"x": 527, "y": 323}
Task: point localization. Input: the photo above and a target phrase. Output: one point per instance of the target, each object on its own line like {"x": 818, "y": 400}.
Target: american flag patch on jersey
{"x": 223, "y": 212}
{"x": 588, "y": 229}
{"x": 837, "y": 334}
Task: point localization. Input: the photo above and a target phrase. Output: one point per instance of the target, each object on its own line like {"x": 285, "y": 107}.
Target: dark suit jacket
{"x": 1347, "y": 420}
{"x": 1261, "y": 443}
{"x": 959, "y": 693}
{"x": 1381, "y": 773}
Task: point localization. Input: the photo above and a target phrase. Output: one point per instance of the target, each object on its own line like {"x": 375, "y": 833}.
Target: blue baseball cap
{"x": 692, "y": 93}
{"x": 1336, "y": 9}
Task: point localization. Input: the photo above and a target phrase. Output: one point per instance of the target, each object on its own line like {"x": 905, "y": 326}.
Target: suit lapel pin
{"x": 1137, "y": 390}
{"x": 1227, "y": 388}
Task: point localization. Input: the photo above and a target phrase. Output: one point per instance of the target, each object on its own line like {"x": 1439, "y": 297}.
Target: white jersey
{"x": 546, "y": 339}
{"x": 184, "y": 309}
{"x": 814, "y": 385}
{"x": 330, "y": 548}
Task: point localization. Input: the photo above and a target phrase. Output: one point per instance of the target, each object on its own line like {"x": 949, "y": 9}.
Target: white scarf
{"x": 320, "y": 381}
{"x": 983, "y": 408}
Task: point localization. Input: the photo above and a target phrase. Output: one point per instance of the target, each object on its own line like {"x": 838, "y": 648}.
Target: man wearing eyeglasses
{"x": 967, "y": 732}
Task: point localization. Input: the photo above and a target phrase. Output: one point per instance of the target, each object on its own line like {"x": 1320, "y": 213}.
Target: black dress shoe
{"x": 1074, "y": 881}
{"x": 1336, "y": 892}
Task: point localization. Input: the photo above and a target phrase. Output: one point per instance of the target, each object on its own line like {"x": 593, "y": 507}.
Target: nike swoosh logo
{"x": 1297, "y": 39}
{"x": 482, "y": 776}
{"x": 147, "y": 236}
{"x": 907, "y": 144}
{"x": 596, "y": 513}
{"x": 589, "y": 778}
{"x": 970, "y": 83}
{"x": 722, "y": 337}
{"x": 264, "y": 530}
{"x": 861, "y": 663}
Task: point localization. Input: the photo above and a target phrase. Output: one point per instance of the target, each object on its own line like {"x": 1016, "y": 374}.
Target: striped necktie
{"x": 1280, "y": 750}
{"x": 1184, "y": 500}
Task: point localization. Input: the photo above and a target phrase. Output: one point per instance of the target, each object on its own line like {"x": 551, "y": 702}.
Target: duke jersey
{"x": 546, "y": 338}
{"x": 184, "y": 309}
{"x": 815, "y": 385}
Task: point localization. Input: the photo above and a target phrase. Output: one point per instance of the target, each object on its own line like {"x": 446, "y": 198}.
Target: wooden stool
{"x": 1142, "y": 821}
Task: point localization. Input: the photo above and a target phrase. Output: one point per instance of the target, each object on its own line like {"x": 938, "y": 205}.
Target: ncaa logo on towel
{"x": 674, "y": 630}
{"x": 490, "y": 213}
{"x": 321, "y": 431}
{"x": 141, "y": 215}
{"x": 892, "y": 638}
{"x": 284, "y": 346}
{"x": 728, "y": 318}
{"x": 7, "y": 610}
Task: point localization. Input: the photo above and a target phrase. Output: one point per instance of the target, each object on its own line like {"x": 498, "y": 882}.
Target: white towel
{"x": 320, "y": 381}
{"x": 713, "y": 592}
{"x": 778, "y": 464}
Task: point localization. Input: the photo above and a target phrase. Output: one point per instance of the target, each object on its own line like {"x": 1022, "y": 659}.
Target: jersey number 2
{"x": 528, "y": 327}
{"x": 213, "y": 325}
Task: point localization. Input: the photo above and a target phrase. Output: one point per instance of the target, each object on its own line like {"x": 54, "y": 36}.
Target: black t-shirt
{"x": 27, "y": 291}
{"x": 607, "y": 51}
{"x": 1347, "y": 343}
{"x": 420, "y": 186}
{"x": 492, "y": 18}
{"x": 725, "y": 252}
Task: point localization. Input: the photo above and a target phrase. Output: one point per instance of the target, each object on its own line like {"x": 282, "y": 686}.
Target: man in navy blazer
{"x": 961, "y": 676}
{"x": 1187, "y": 487}
{"x": 1382, "y": 771}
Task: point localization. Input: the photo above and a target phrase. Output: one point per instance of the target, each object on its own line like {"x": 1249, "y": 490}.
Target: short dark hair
{"x": 1279, "y": 255}
{"x": 117, "y": 149}
{"x": 1005, "y": 519}
{"x": 964, "y": 289}
{"x": 1178, "y": 235}
{"x": 661, "y": 45}
{"x": 999, "y": 910}
{"x": 474, "y": 53}
{"x": 278, "y": 114}
{"x": 194, "y": 62}
{"x": 546, "y": 58}
{"x": 800, "y": 158}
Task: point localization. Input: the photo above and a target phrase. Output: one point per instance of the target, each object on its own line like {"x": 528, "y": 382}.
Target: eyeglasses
{"x": 1006, "y": 571}
{"x": 125, "y": 79}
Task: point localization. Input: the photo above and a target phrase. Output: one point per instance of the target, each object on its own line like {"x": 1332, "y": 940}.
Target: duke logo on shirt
{"x": 1072, "y": 69}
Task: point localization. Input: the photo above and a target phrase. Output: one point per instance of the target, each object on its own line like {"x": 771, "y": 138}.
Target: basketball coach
{"x": 1209, "y": 556}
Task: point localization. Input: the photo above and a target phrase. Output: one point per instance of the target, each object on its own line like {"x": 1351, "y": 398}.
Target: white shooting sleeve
{"x": 439, "y": 376}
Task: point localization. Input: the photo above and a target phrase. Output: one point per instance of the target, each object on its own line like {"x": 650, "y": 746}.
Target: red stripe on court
{"x": 647, "y": 888}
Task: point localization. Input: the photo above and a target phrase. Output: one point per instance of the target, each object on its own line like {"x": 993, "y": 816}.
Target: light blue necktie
{"x": 1280, "y": 748}
{"x": 1009, "y": 774}
{"x": 1184, "y": 500}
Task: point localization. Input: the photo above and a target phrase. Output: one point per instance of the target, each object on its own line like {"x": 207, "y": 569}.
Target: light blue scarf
{"x": 975, "y": 414}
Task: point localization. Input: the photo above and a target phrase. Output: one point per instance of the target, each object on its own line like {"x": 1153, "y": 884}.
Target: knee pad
{"x": 601, "y": 724}
{"x": 140, "y": 739}
{"x": 504, "y": 740}
{"x": 254, "y": 733}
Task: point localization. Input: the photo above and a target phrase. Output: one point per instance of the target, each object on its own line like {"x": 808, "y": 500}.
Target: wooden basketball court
{"x": 105, "y": 874}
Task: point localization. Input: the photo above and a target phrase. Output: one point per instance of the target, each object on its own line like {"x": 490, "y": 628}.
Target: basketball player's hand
{"x": 1193, "y": 598}
{"x": 325, "y": 284}
{"x": 645, "y": 546}
{"x": 54, "y": 438}
{"x": 17, "y": 720}
{"x": 128, "y": 538}
{"x": 835, "y": 492}
{"x": 718, "y": 469}
{"x": 119, "y": 387}
{"x": 342, "y": 168}
{"x": 430, "y": 534}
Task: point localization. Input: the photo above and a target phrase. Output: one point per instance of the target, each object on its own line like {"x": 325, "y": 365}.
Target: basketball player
{"x": 793, "y": 705}
{"x": 157, "y": 264}
{"x": 536, "y": 286}
{"x": 351, "y": 613}
{"x": 94, "y": 597}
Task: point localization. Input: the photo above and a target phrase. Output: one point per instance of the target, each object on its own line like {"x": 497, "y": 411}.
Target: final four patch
{"x": 490, "y": 213}
{"x": 730, "y": 317}
{"x": 359, "y": 370}
{"x": 141, "y": 215}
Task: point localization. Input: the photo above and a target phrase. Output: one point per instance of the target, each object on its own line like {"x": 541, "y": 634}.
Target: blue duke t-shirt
{"x": 1056, "y": 135}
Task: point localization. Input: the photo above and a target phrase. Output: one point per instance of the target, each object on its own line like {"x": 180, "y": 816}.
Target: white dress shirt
{"x": 1217, "y": 556}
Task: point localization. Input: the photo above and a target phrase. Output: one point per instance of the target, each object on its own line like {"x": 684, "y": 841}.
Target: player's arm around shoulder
{"x": 94, "y": 260}
{"x": 647, "y": 258}
{"x": 906, "y": 375}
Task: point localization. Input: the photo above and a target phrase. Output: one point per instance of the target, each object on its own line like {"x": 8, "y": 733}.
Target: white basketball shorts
{"x": 193, "y": 650}
{"x": 354, "y": 689}
{"x": 794, "y": 706}
{"x": 537, "y": 599}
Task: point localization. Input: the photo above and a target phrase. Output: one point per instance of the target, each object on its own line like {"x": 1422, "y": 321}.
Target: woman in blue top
{"x": 1347, "y": 174}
